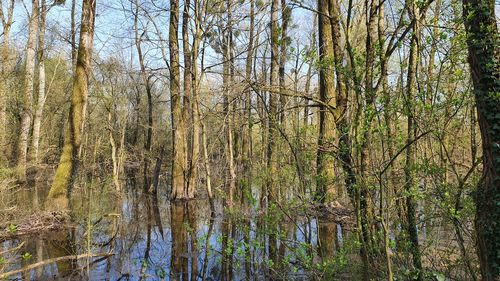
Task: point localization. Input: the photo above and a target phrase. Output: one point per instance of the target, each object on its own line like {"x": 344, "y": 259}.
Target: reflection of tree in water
{"x": 184, "y": 262}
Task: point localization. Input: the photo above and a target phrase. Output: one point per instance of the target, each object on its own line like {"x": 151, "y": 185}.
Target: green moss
{"x": 63, "y": 174}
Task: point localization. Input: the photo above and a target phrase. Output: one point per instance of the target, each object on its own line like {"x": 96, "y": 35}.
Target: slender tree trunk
{"x": 312, "y": 50}
{"x": 68, "y": 163}
{"x": 484, "y": 59}
{"x": 227, "y": 78}
{"x": 197, "y": 126}
{"x": 6, "y": 70}
{"x": 74, "y": 50}
{"x": 41, "y": 84}
{"x": 247, "y": 131}
{"x": 149, "y": 93}
{"x": 286, "y": 14}
{"x": 188, "y": 110}
{"x": 385, "y": 213}
{"x": 26, "y": 115}
{"x": 411, "y": 226}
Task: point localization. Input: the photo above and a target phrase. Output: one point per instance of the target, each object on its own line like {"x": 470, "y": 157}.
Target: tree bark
{"x": 26, "y": 115}
{"x": 42, "y": 95}
{"x": 325, "y": 162}
{"x": 179, "y": 164}
{"x": 411, "y": 226}
{"x": 6, "y": 70}
{"x": 484, "y": 59}
{"x": 68, "y": 163}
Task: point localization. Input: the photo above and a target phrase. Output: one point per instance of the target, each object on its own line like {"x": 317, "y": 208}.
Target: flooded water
{"x": 137, "y": 236}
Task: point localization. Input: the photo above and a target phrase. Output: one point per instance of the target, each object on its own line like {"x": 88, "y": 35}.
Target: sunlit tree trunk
{"x": 68, "y": 163}
{"x": 483, "y": 43}
{"x": 228, "y": 65}
{"x": 178, "y": 160}
{"x": 35, "y": 141}
{"x": 26, "y": 113}
{"x": 199, "y": 130}
{"x": 74, "y": 50}
{"x": 188, "y": 109}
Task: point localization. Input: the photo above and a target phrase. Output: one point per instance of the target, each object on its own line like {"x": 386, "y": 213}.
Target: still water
{"x": 137, "y": 236}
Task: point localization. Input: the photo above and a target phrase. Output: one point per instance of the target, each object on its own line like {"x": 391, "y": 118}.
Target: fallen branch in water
{"x": 53, "y": 260}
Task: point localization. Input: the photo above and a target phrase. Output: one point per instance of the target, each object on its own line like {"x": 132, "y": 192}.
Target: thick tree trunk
{"x": 484, "y": 58}
{"x": 68, "y": 163}
{"x": 178, "y": 160}
{"x": 325, "y": 162}
{"x": 26, "y": 115}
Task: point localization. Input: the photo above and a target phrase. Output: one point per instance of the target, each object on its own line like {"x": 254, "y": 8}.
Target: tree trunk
{"x": 325, "y": 162}
{"x": 228, "y": 65}
{"x": 411, "y": 226}
{"x": 188, "y": 110}
{"x": 42, "y": 96}
{"x": 197, "y": 126}
{"x": 178, "y": 160}
{"x": 68, "y": 163}
{"x": 286, "y": 14}
{"x": 6, "y": 70}
{"x": 484, "y": 59}
{"x": 26, "y": 115}
{"x": 247, "y": 131}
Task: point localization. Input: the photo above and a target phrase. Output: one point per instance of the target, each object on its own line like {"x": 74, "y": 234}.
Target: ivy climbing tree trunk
{"x": 68, "y": 163}
{"x": 411, "y": 218}
{"x": 484, "y": 59}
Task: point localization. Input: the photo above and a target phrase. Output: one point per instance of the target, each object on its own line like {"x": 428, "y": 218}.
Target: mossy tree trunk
{"x": 68, "y": 163}
{"x": 484, "y": 59}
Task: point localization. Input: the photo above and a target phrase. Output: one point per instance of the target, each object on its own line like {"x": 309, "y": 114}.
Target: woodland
{"x": 249, "y": 140}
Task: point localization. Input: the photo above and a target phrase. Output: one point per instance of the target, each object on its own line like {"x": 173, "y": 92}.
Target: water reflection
{"x": 153, "y": 239}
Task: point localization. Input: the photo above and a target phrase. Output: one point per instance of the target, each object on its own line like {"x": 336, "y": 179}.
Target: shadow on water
{"x": 153, "y": 239}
